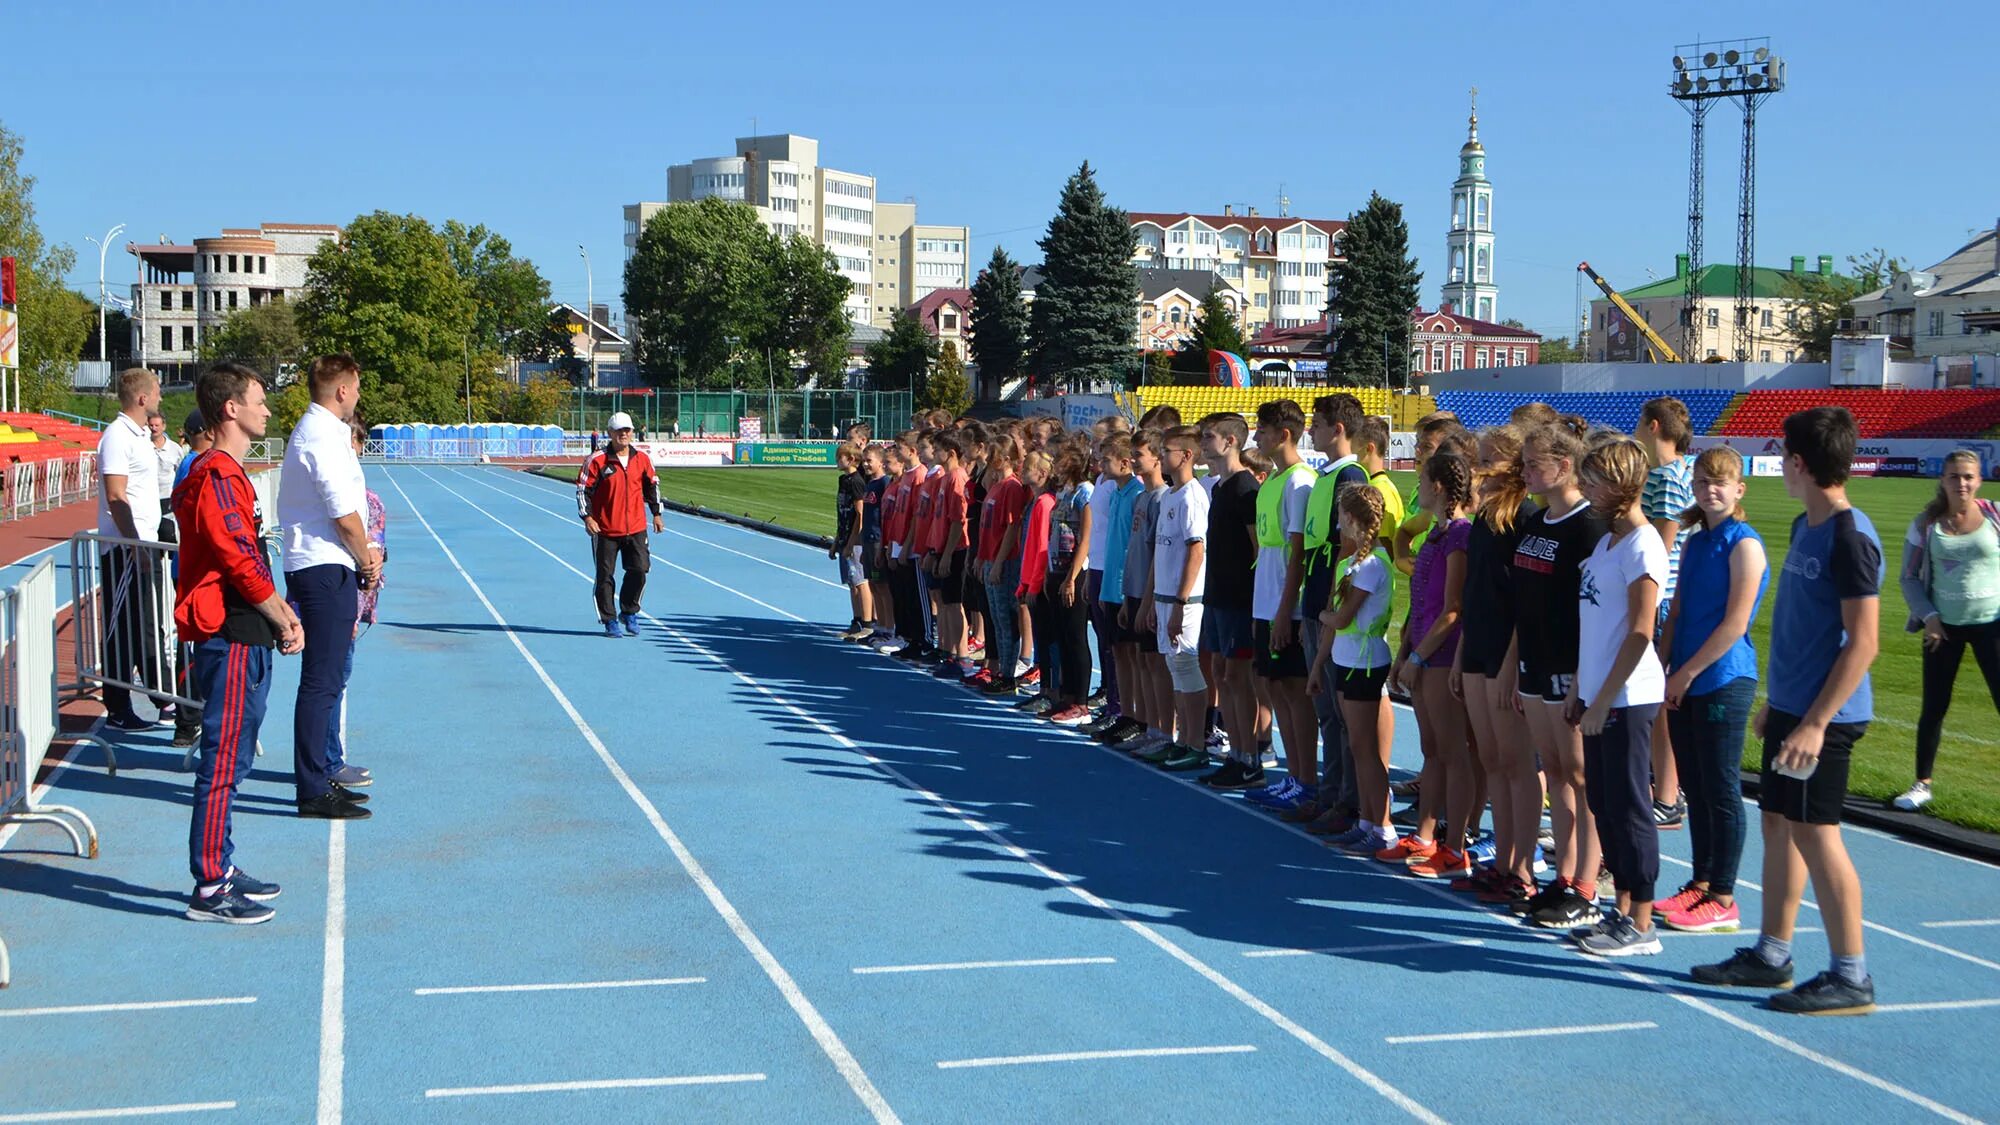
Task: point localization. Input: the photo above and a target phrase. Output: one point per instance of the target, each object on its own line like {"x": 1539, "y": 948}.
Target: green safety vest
{"x": 1271, "y": 505}
{"x": 1379, "y": 627}
{"x": 1322, "y": 524}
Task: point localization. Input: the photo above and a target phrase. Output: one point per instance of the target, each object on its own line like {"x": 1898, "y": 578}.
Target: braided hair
{"x": 1451, "y": 478}
{"x": 1364, "y": 505}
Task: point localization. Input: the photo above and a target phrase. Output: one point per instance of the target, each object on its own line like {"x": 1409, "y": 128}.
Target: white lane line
{"x": 332, "y": 1005}
{"x": 138, "y": 1006}
{"x": 1069, "y": 883}
{"x": 1522, "y": 1033}
{"x": 571, "y": 520}
{"x": 122, "y": 1111}
{"x": 1957, "y": 923}
{"x": 1087, "y": 1056}
{"x": 822, "y": 1033}
{"x": 1937, "y": 1005}
{"x": 1669, "y": 931}
{"x": 473, "y": 989}
{"x": 739, "y": 529}
{"x": 596, "y": 1084}
{"x": 1436, "y": 945}
{"x": 954, "y": 965}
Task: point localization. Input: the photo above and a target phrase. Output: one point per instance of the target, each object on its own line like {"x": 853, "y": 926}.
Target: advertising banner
{"x": 688, "y": 454}
{"x": 10, "y": 339}
{"x": 1889, "y": 457}
{"x": 814, "y": 454}
{"x": 750, "y": 429}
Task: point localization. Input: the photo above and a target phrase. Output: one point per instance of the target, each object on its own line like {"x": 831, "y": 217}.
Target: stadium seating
{"x": 1616, "y": 409}
{"x": 1880, "y": 413}
{"x": 1196, "y": 402}
{"x": 38, "y": 437}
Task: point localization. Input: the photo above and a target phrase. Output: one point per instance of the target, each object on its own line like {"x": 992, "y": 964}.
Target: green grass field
{"x": 1968, "y": 785}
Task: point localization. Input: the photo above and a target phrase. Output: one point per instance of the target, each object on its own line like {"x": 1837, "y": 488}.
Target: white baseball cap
{"x": 619, "y": 421}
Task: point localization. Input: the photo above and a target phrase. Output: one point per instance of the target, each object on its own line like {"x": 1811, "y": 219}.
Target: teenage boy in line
{"x": 850, "y": 496}
{"x": 1174, "y": 603}
{"x": 1823, "y": 638}
{"x": 913, "y": 618}
{"x": 873, "y": 468}
{"x": 923, "y": 496}
{"x": 1099, "y": 523}
{"x": 1277, "y": 662}
{"x": 1336, "y": 429}
{"x": 947, "y": 553}
{"x": 1371, "y": 447}
{"x": 1152, "y": 702}
{"x": 895, "y": 500}
{"x": 1227, "y": 597}
{"x": 1000, "y": 568}
{"x": 1665, "y": 432}
{"x": 1124, "y": 487}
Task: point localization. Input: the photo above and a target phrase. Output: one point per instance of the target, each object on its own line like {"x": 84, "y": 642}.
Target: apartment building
{"x": 1278, "y": 263}
{"x": 914, "y": 260}
{"x": 184, "y": 292}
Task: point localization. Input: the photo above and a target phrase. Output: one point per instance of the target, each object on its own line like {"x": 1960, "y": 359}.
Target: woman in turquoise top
{"x": 1951, "y": 580}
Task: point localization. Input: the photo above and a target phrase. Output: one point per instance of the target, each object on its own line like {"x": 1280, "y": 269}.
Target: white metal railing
{"x": 39, "y": 486}
{"x": 122, "y": 599}
{"x": 434, "y": 449}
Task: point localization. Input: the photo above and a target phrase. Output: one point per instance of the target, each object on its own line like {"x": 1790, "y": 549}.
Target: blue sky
{"x": 542, "y": 120}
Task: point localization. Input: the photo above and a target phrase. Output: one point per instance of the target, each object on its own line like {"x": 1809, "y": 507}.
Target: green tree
{"x": 1374, "y": 289}
{"x": 1820, "y": 301}
{"x": 55, "y": 320}
{"x": 1160, "y": 368}
{"x": 997, "y": 325}
{"x": 537, "y": 402}
{"x": 387, "y": 292}
{"x": 510, "y": 297}
{"x": 805, "y": 313}
{"x": 947, "y": 386}
{"x": 1214, "y": 327}
{"x": 695, "y": 293}
{"x": 902, "y": 358}
{"x": 1560, "y": 349}
{"x": 265, "y": 336}
{"x": 1084, "y": 318}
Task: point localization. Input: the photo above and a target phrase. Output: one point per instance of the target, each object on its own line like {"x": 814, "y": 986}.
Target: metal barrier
{"x": 122, "y": 595}
{"x": 21, "y": 491}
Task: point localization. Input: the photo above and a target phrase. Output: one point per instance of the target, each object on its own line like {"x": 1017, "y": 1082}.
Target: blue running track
{"x": 735, "y": 869}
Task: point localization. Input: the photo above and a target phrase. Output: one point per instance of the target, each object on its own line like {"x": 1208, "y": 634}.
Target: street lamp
{"x": 102, "y": 246}
{"x": 589, "y": 313}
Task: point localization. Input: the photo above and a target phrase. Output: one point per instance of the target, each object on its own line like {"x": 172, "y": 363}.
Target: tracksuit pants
{"x": 235, "y": 681}
{"x": 328, "y": 602}
{"x": 1618, "y": 782}
{"x": 607, "y": 551}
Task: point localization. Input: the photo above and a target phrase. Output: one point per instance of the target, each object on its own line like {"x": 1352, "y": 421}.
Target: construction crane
{"x": 1659, "y": 348}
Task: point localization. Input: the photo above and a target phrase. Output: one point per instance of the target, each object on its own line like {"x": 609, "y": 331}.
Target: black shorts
{"x": 1488, "y": 662}
{"x": 871, "y": 569}
{"x": 973, "y": 593}
{"x": 1545, "y": 685}
{"x": 1360, "y": 685}
{"x": 1288, "y": 663}
{"x": 1227, "y": 633}
{"x": 951, "y": 582}
{"x": 1817, "y": 799}
{"x": 1135, "y": 632}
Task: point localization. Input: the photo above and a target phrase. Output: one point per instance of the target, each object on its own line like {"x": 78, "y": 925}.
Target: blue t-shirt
{"x": 1704, "y": 585}
{"x": 181, "y": 470}
{"x": 1117, "y": 537}
{"x": 871, "y": 509}
{"x": 1839, "y": 559}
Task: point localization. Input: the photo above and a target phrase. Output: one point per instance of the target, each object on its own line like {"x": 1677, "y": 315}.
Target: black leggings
{"x": 1941, "y": 672}
{"x": 1062, "y": 647}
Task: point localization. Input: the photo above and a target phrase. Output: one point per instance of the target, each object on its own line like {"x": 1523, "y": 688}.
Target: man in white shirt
{"x": 167, "y": 453}
{"x": 128, "y": 506}
{"x": 322, "y": 506}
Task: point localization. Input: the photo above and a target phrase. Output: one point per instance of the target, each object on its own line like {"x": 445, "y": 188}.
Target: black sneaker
{"x": 229, "y": 907}
{"x": 1253, "y": 778}
{"x": 1095, "y": 700}
{"x": 1669, "y": 817}
{"x": 1828, "y": 994}
{"x": 998, "y": 687}
{"x": 347, "y": 794}
{"x": 1547, "y": 896}
{"x": 1229, "y": 776}
{"x": 1185, "y": 758}
{"x": 1133, "y": 732}
{"x": 1745, "y": 969}
{"x": 332, "y": 806}
{"x": 186, "y": 738}
{"x": 129, "y": 723}
{"x": 1568, "y": 912}
{"x": 1037, "y": 705}
{"x": 256, "y": 890}
{"x": 1100, "y": 724}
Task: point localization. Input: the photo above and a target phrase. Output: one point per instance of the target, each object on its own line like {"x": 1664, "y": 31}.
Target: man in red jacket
{"x": 613, "y": 494}
{"x": 228, "y": 608}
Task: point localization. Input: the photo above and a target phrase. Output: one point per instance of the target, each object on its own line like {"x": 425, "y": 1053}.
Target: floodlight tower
{"x": 1747, "y": 70}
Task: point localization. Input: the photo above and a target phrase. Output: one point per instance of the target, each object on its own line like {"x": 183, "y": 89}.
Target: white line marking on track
{"x": 472, "y": 989}
{"x": 1086, "y": 1056}
{"x": 1239, "y": 993}
{"x": 1522, "y": 1033}
{"x": 596, "y": 1084}
{"x": 822, "y": 1033}
{"x": 138, "y": 1006}
{"x": 332, "y": 1004}
{"x": 1937, "y": 1005}
{"x": 1436, "y": 945}
{"x": 952, "y": 965}
{"x": 1669, "y": 931}
{"x": 122, "y": 1111}
{"x": 1960, "y": 922}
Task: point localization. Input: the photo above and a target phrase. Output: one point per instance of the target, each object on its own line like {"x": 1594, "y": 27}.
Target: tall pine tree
{"x": 998, "y": 324}
{"x": 1374, "y": 291}
{"x": 1085, "y": 316}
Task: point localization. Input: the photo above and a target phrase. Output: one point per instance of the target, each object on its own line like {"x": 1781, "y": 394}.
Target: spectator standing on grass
{"x": 615, "y": 490}
{"x": 1951, "y": 580}
{"x": 1819, "y": 704}
{"x": 323, "y": 509}
{"x": 227, "y": 606}
{"x": 128, "y": 470}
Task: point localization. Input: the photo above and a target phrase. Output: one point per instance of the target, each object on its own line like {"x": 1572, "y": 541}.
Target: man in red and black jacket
{"x": 615, "y": 490}
{"x": 228, "y": 608}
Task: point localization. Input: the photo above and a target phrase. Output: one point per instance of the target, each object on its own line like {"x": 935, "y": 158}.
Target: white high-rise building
{"x": 1469, "y": 286}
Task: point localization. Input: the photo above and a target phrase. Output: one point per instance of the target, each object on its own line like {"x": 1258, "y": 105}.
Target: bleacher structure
{"x": 1195, "y": 403}
{"x": 45, "y": 462}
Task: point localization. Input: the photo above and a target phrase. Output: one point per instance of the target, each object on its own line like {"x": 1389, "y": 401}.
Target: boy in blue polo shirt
{"x": 1823, "y": 638}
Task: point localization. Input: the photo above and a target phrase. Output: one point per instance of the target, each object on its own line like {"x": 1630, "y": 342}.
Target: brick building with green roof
{"x": 1661, "y": 303}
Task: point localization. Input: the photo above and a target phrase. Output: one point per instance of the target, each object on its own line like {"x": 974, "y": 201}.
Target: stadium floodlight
{"x": 1726, "y": 70}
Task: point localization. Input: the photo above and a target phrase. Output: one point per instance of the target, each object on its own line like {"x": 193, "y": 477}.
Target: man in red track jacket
{"x": 613, "y": 493}
{"x": 228, "y": 608}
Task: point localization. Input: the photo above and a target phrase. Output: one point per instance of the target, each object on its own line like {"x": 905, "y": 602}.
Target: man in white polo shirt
{"x": 322, "y": 505}
{"x": 128, "y": 506}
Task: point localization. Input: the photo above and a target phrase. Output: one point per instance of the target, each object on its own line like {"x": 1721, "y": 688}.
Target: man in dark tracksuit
{"x": 615, "y": 490}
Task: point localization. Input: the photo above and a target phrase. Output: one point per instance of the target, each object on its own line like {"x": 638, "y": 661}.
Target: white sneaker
{"x": 1914, "y": 798}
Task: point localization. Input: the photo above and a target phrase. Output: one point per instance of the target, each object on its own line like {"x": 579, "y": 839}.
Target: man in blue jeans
{"x": 322, "y": 502}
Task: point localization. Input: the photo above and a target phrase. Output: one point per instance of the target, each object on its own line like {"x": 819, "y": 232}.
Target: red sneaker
{"x": 1445, "y": 863}
{"x": 980, "y": 678}
{"x": 1074, "y": 715}
{"x": 1032, "y": 679}
{"x": 1406, "y": 849}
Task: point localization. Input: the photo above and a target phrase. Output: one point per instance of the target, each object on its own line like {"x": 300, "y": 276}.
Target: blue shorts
{"x": 1227, "y": 632}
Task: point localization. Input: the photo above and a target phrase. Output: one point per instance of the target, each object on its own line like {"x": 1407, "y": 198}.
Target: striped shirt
{"x": 1669, "y": 492}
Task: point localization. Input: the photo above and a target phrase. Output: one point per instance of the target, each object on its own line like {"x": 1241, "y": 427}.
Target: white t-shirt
{"x": 319, "y": 482}
{"x": 169, "y": 457}
{"x": 126, "y": 450}
{"x": 1100, "y": 520}
{"x": 1183, "y": 520}
{"x": 1604, "y": 617}
{"x": 1364, "y": 649}
{"x": 1267, "y": 587}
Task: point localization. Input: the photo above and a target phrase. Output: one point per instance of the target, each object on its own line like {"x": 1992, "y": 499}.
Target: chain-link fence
{"x": 796, "y": 415}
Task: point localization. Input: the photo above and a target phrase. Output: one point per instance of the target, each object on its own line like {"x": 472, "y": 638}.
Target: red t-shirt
{"x": 894, "y": 510}
{"x": 948, "y": 510}
{"x": 912, "y": 482}
{"x": 1002, "y": 510}
{"x": 927, "y": 511}
{"x": 1035, "y": 546}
